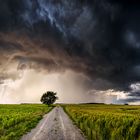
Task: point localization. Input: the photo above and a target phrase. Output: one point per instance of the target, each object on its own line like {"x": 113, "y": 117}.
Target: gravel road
{"x": 56, "y": 125}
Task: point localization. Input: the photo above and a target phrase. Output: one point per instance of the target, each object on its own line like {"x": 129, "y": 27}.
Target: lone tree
{"x": 49, "y": 98}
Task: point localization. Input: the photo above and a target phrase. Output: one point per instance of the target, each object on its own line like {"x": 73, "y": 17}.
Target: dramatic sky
{"x": 85, "y": 50}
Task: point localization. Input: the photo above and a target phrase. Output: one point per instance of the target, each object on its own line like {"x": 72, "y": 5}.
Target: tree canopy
{"x": 49, "y": 97}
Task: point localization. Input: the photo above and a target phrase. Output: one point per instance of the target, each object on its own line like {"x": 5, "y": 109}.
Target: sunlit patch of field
{"x": 16, "y": 120}
{"x": 106, "y": 122}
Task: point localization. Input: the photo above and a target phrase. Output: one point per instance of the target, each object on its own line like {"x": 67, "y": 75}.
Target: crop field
{"x": 16, "y": 120}
{"x": 106, "y": 122}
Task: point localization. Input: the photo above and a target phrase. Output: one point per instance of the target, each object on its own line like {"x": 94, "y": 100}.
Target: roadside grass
{"x": 16, "y": 120}
{"x": 106, "y": 122}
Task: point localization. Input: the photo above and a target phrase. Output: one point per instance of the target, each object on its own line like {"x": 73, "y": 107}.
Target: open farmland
{"x": 106, "y": 122}
{"x": 16, "y": 120}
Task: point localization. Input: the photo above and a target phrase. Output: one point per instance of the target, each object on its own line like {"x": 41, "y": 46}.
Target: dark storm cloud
{"x": 129, "y": 100}
{"x": 99, "y": 38}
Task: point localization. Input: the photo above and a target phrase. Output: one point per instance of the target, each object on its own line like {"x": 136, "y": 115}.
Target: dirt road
{"x": 56, "y": 125}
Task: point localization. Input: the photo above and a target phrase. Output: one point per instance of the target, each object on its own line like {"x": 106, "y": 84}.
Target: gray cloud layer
{"x": 99, "y": 38}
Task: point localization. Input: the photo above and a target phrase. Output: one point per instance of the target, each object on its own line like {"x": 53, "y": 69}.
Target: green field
{"x": 16, "y": 120}
{"x": 97, "y": 121}
{"x": 106, "y": 122}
